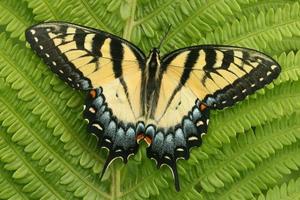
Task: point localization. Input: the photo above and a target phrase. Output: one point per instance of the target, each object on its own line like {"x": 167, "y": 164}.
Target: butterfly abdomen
{"x": 151, "y": 85}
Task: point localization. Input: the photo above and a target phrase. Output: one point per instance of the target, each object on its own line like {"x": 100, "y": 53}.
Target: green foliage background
{"x": 252, "y": 150}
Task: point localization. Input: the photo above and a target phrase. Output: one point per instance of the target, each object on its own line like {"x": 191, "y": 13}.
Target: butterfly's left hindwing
{"x": 169, "y": 146}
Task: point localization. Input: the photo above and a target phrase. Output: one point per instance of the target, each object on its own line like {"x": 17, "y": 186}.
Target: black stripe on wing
{"x": 98, "y": 41}
{"x": 189, "y": 64}
{"x": 228, "y": 58}
{"x": 79, "y": 38}
{"x": 210, "y": 59}
{"x": 116, "y": 51}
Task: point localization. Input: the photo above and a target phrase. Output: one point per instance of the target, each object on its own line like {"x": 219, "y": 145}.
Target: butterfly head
{"x": 154, "y": 52}
{"x": 154, "y": 58}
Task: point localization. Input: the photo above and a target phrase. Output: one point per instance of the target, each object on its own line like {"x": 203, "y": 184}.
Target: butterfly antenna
{"x": 165, "y": 36}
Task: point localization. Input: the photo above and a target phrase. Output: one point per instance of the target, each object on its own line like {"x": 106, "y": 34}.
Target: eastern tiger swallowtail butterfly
{"x": 164, "y": 101}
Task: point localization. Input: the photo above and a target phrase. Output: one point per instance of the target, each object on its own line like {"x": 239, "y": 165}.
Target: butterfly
{"x": 162, "y": 100}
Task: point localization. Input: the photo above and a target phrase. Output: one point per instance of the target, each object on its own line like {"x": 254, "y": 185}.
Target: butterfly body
{"x": 152, "y": 81}
{"x": 163, "y": 100}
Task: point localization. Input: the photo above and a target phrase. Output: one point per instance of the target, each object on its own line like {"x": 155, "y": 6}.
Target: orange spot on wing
{"x": 202, "y": 106}
{"x": 139, "y": 137}
{"x": 148, "y": 140}
{"x": 93, "y": 93}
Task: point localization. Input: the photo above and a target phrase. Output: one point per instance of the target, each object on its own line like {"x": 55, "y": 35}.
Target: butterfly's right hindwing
{"x": 118, "y": 138}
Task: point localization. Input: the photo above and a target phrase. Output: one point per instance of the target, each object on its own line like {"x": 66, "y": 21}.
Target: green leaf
{"x": 288, "y": 190}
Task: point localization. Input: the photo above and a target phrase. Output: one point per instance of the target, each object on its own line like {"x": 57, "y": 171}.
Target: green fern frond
{"x": 263, "y": 176}
{"x": 273, "y": 104}
{"x": 188, "y": 18}
{"x": 285, "y": 45}
{"x": 251, "y": 163}
{"x": 290, "y": 190}
{"x": 16, "y": 17}
{"x": 256, "y": 6}
{"x": 256, "y": 30}
{"x": 250, "y": 152}
{"x": 48, "y": 9}
{"x": 250, "y": 149}
{"x": 96, "y": 14}
{"x": 290, "y": 63}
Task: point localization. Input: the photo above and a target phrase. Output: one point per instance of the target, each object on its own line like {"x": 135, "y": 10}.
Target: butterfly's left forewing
{"x": 219, "y": 75}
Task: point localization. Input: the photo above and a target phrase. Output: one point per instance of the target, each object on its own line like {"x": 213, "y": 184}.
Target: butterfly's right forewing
{"x": 84, "y": 57}
{"x": 87, "y": 58}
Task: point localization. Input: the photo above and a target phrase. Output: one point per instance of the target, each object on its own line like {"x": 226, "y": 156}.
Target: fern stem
{"x": 130, "y": 21}
{"x": 116, "y": 183}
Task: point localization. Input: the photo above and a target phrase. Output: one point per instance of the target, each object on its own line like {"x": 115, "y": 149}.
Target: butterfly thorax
{"x": 151, "y": 78}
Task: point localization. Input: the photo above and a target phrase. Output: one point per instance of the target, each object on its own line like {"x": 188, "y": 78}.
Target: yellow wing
{"x": 87, "y": 58}
{"x": 218, "y": 76}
